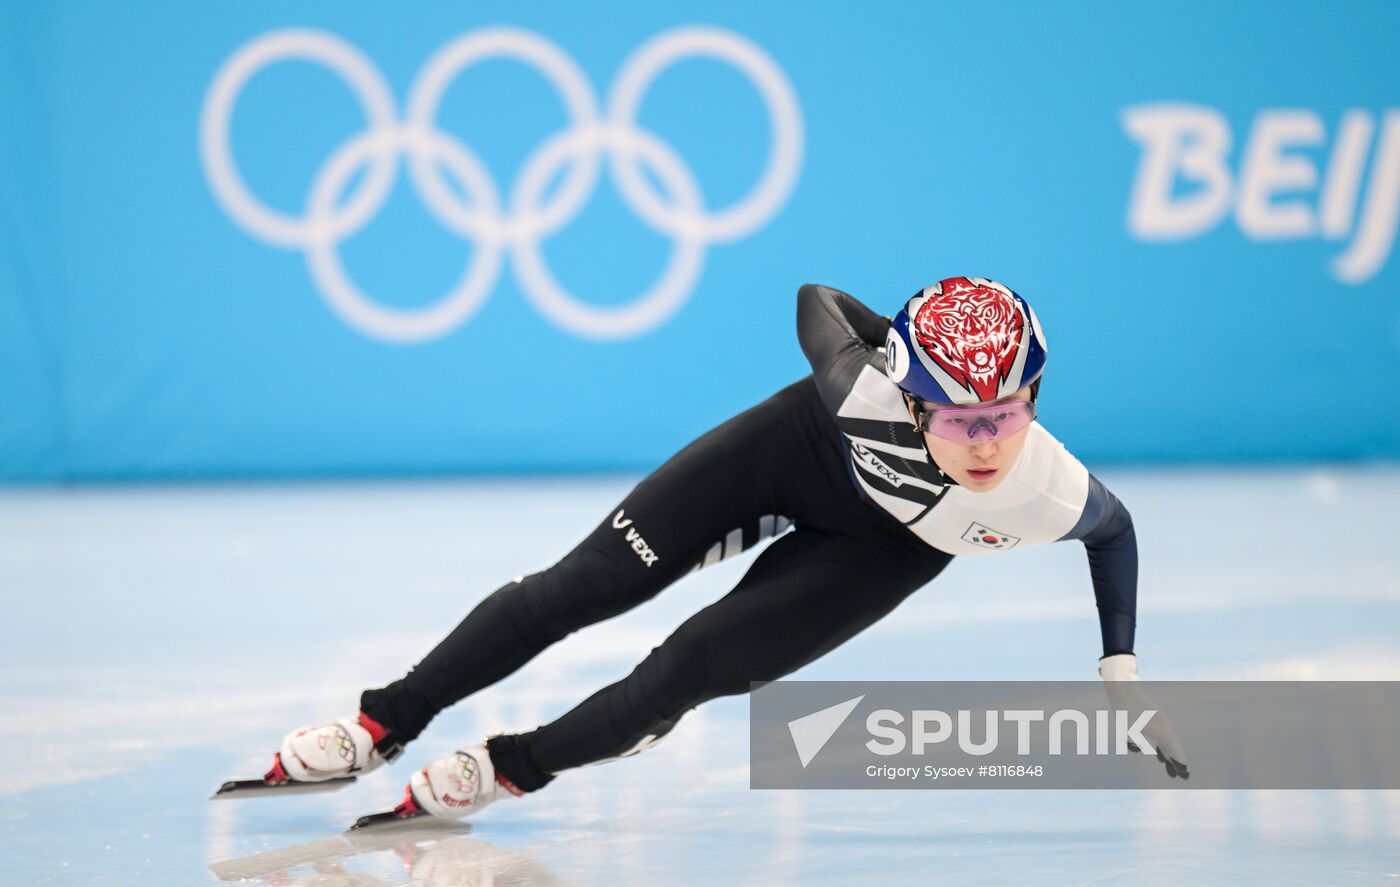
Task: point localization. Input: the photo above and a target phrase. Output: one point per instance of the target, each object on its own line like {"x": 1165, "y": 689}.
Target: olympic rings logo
{"x": 522, "y": 222}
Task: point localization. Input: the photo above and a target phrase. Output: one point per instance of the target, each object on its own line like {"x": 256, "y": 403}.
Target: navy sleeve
{"x": 1106, "y": 529}
{"x": 839, "y": 336}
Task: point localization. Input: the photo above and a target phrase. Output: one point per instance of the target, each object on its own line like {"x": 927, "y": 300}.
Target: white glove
{"x": 1119, "y": 673}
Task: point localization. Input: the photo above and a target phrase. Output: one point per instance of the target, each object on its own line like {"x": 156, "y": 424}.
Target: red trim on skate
{"x": 377, "y": 731}
{"x": 508, "y": 785}
{"x": 278, "y": 774}
{"x": 408, "y": 807}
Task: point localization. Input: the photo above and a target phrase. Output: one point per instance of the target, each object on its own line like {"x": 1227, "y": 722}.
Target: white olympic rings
{"x": 520, "y": 223}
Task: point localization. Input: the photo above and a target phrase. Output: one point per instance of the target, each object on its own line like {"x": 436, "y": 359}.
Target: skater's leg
{"x": 806, "y": 594}
{"x": 740, "y": 482}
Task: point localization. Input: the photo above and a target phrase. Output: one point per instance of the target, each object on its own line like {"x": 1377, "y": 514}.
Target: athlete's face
{"x": 979, "y": 465}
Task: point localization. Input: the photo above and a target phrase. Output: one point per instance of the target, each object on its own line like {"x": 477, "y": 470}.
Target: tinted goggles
{"x": 974, "y": 424}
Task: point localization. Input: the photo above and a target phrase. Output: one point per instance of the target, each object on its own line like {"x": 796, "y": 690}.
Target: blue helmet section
{"x": 917, "y": 372}
{"x": 1036, "y": 351}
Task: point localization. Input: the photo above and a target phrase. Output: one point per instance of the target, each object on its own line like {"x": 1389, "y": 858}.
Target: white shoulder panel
{"x": 874, "y": 396}
{"x": 1040, "y": 501}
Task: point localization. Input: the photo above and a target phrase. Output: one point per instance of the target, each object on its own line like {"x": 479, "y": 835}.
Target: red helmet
{"x": 964, "y": 340}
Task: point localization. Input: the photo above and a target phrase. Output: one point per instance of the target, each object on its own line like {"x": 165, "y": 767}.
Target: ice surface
{"x": 156, "y": 641}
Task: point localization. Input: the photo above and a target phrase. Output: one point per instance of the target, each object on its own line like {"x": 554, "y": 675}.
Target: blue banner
{"x": 261, "y": 239}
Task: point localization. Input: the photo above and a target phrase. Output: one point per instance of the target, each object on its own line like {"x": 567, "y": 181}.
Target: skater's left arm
{"x": 1106, "y": 528}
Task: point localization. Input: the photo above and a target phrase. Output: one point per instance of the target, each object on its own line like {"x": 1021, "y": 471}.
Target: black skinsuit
{"x": 844, "y": 564}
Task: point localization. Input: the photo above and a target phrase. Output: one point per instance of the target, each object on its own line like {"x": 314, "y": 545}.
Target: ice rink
{"x": 158, "y": 641}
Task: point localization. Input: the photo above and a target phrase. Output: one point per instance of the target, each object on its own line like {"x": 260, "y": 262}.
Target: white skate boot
{"x": 456, "y": 785}
{"x": 347, "y": 747}
{"x": 326, "y": 757}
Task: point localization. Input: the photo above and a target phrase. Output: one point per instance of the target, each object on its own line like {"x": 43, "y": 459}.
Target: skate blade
{"x": 390, "y": 817}
{"x": 249, "y": 788}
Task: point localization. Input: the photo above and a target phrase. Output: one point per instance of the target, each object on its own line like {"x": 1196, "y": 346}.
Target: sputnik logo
{"x": 811, "y": 733}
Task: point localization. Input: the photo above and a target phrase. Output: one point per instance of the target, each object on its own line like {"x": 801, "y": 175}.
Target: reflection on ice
{"x": 430, "y": 855}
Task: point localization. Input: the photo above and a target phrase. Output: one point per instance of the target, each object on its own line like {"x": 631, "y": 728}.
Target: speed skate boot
{"x": 326, "y": 757}
{"x": 453, "y": 786}
{"x": 347, "y": 747}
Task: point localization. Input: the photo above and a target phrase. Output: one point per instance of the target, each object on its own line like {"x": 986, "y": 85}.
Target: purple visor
{"x": 976, "y": 424}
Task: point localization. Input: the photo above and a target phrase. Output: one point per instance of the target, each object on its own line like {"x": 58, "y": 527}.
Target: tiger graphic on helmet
{"x": 965, "y": 340}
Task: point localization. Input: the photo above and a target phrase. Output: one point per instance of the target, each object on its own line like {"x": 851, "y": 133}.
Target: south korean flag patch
{"x": 984, "y": 536}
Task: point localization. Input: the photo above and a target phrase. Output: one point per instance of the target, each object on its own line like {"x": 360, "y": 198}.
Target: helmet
{"x": 964, "y": 340}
